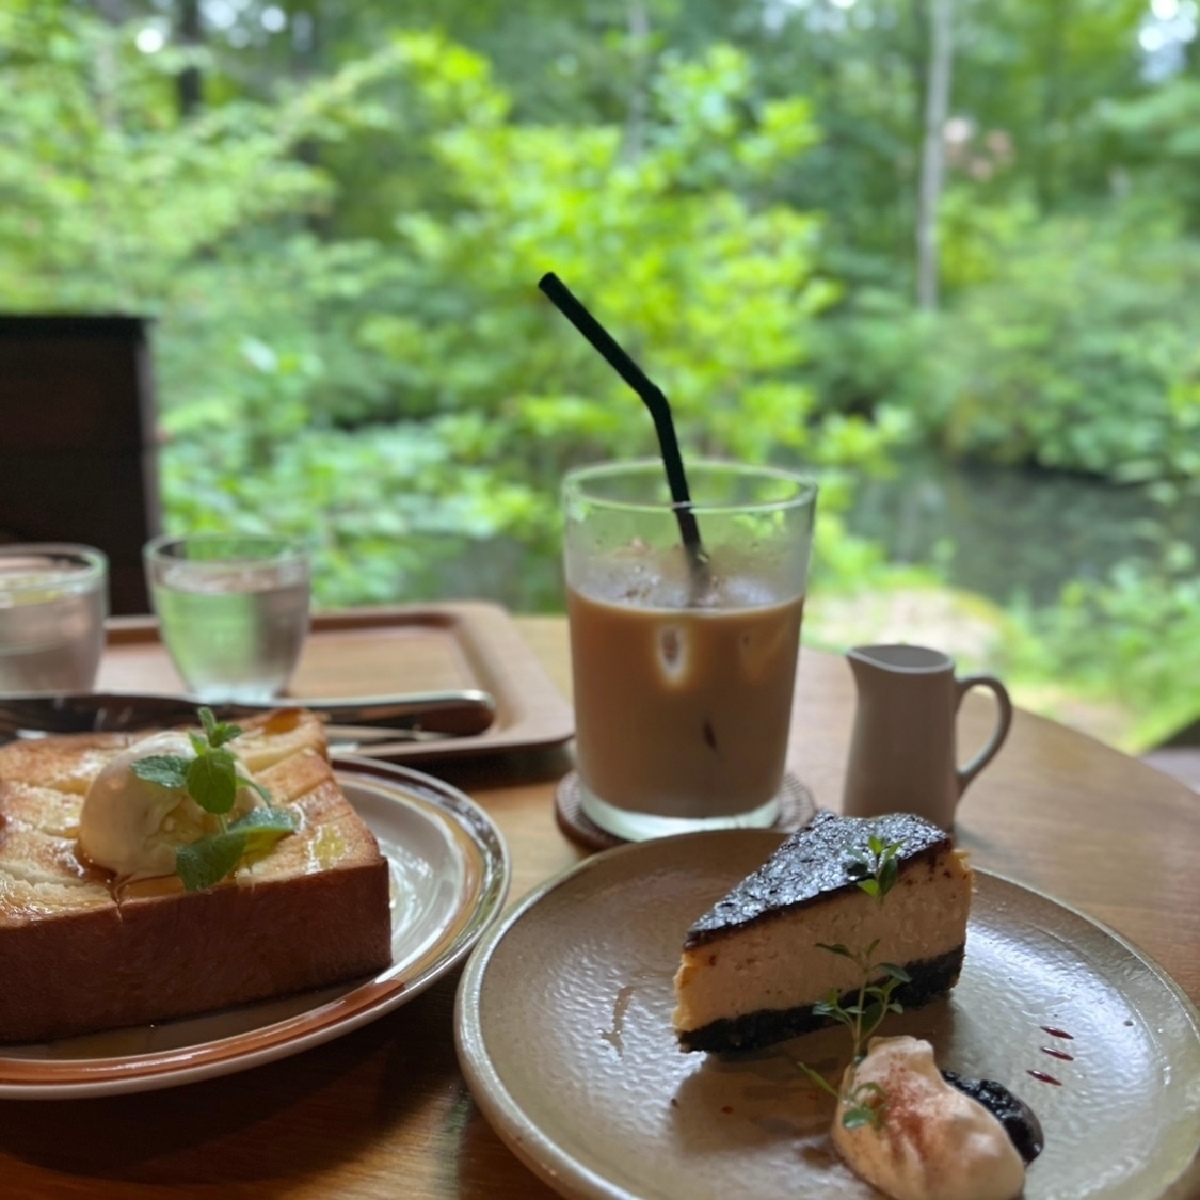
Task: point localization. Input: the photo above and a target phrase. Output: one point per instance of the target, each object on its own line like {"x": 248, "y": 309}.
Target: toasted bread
{"x": 80, "y": 951}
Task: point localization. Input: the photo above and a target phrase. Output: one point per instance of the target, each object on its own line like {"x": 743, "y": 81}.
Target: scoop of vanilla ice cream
{"x": 133, "y": 826}
{"x": 934, "y": 1142}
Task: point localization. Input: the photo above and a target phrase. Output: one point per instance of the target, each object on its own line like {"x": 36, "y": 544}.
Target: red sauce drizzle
{"x": 1058, "y": 1033}
{"x": 1044, "y": 1077}
{"x": 1058, "y": 1054}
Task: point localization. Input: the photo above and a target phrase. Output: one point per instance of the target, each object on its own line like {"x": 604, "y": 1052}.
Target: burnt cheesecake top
{"x": 812, "y": 864}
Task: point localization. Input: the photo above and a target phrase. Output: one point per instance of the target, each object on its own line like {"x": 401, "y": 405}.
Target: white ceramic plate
{"x": 449, "y": 871}
{"x": 563, "y": 1026}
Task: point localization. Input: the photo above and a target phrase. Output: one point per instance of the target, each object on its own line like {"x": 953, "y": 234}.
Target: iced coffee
{"x": 683, "y": 678}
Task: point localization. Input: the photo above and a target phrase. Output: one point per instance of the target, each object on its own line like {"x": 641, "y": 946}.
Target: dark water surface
{"x": 1005, "y": 534}
{"x": 1014, "y": 533}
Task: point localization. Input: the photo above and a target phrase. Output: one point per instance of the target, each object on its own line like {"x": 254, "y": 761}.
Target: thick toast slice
{"x": 80, "y": 953}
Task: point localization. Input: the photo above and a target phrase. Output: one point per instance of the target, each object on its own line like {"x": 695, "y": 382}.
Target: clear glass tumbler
{"x": 232, "y": 611}
{"x": 683, "y": 679}
{"x": 53, "y": 602}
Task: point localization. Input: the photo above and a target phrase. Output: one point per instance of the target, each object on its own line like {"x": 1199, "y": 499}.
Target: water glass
{"x": 683, "y": 681}
{"x": 232, "y": 611}
{"x": 53, "y": 601}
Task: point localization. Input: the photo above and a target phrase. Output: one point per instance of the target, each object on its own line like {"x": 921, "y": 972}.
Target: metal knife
{"x": 462, "y": 712}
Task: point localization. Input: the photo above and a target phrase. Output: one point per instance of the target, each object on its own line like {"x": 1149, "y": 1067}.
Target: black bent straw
{"x": 652, "y": 396}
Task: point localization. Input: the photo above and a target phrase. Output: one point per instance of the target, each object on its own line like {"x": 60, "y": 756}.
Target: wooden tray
{"x": 370, "y": 651}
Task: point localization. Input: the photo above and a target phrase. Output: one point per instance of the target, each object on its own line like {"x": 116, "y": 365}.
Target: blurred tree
{"x": 338, "y": 213}
{"x": 933, "y": 152}
{"x": 1156, "y": 145}
{"x": 428, "y": 353}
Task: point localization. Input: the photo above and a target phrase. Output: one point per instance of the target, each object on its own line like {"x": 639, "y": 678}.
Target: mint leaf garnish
{"x": 167, "y": 770}
{"x": 206, "y": 862}
{"x": 212, "y": 781}
{"x": 259, "y": 790}
{"x": 261, "y": 828}
{"x": 266, "y": 819}
{"x": 218, "y": 732}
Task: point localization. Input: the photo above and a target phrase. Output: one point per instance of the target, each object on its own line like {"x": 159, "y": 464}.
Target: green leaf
{"x": 209, "y": 722}
{"x": 888, "y": 874}
{"x": 834, "y": 1012}
{"x": 870, "y": 886}
{"x": 218, "y": 732}
{"x": 864, "y": 1106}
{"x": 260, "y": 790}
{"x": 167, "y": 770}
{"x": 280, "y": 819}
{"x": 858, "y": 1115}
{"x": 206, "y": 862}
{"x": 876, "y": 844}
{"x": 263, "y": 827}
{"x": 212, "y": 781}
{"x": 894, "y": 971}
{"x": 818, "y": 1079}
{"x": 837, "y": 948}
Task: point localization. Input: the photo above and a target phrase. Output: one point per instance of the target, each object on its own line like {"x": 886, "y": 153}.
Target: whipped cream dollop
{"x": 934, "y": 1142}
{"x": 133, "y": 826}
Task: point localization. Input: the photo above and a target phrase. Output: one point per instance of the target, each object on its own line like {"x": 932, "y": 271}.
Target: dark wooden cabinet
{"x": 78, "y": 440}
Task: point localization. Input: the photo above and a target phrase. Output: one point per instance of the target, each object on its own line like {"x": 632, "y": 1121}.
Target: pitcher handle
{"x": 1004, "y": 720}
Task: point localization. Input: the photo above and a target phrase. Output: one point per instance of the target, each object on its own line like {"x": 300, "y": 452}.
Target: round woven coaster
{"x": 796, "y": 808}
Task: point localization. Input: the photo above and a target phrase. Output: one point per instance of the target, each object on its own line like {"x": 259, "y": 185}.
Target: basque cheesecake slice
{"x": 753, "y": 965}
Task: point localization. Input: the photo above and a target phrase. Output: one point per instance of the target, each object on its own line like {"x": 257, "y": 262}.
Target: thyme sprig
{"x": 865, "y": 1103}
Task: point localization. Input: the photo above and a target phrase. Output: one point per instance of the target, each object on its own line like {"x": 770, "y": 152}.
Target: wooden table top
{"x": 384, "y": 1112}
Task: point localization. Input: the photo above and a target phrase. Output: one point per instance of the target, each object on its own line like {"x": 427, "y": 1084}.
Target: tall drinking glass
{"x": 232, "y": 610}
{"x": 53, "y": 601}
{"x": 683, "y": 685}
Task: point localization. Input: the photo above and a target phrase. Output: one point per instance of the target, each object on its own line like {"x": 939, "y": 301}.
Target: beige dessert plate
{"x": 449, "y": 871}
{"x": 563, "y": 1026}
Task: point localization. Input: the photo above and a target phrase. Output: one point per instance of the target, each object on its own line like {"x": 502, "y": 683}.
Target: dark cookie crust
{"x": 930, "y": 978}
{"x": 811, "y": 865}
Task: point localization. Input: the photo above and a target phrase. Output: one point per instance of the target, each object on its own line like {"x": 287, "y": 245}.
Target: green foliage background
{"x": 341, "y": 247}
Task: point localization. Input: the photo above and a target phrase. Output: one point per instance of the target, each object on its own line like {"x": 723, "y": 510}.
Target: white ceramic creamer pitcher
{"x": 903, "y": 752}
